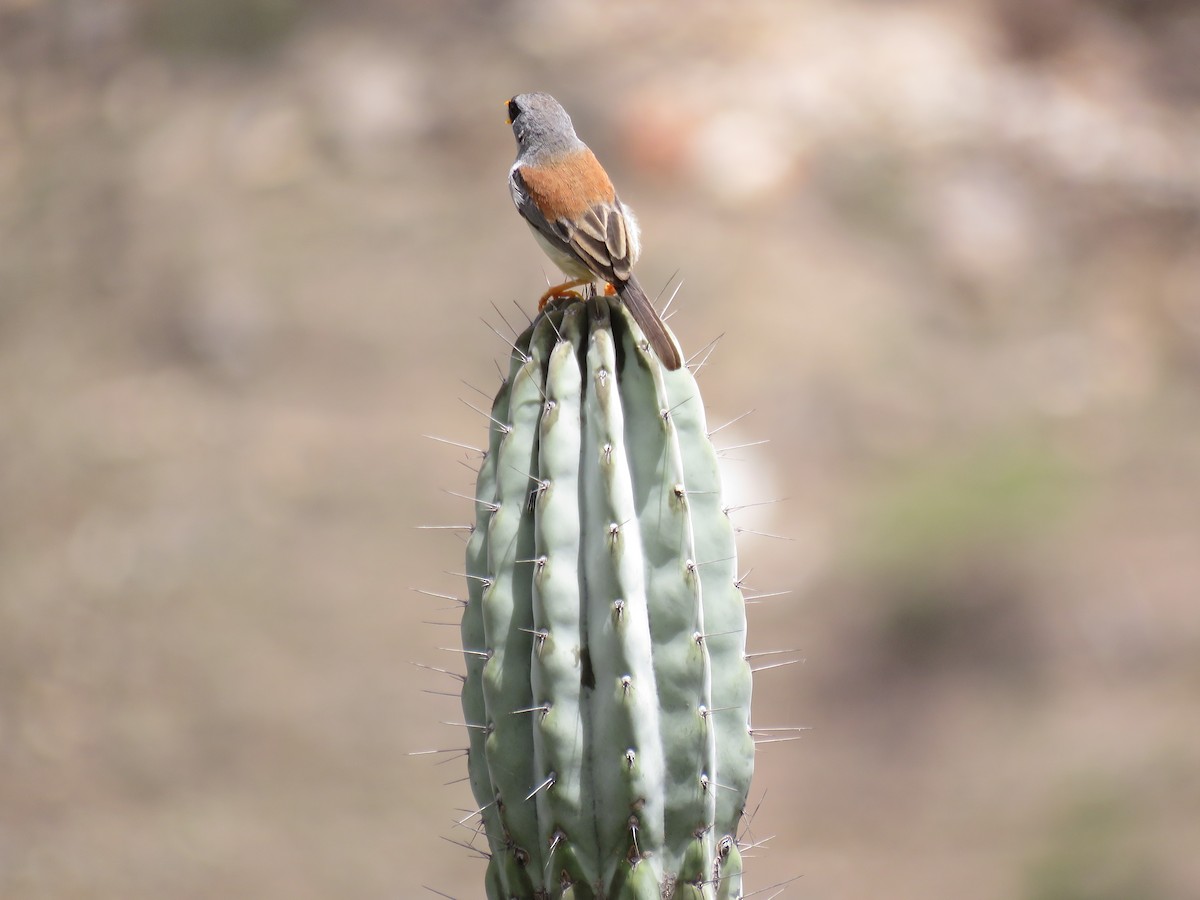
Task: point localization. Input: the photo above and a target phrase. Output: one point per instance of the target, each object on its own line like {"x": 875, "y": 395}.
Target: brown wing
{"x": 600, "y": 238}
{"x": 574, "y": 205}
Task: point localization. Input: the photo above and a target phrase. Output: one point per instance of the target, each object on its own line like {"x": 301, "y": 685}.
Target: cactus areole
{"x": 607, "y": 694}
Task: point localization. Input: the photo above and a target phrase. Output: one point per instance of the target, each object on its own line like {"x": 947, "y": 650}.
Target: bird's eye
{"x": 513, "y": 111}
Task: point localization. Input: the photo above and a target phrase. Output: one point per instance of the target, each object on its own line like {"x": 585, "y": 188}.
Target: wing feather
{"x": 598, "y": 236}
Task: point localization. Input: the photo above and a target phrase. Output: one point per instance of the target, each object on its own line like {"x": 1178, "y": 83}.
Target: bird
{"x": 568, "y": 201}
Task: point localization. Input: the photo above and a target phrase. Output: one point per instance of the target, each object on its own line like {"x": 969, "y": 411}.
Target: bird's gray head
{"x": 540, "y": 125}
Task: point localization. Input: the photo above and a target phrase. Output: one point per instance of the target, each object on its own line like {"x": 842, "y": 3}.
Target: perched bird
{"x": 566, "y": 197}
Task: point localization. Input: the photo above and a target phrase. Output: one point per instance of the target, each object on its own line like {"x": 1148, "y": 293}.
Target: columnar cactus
{"x": 607, "y": 693}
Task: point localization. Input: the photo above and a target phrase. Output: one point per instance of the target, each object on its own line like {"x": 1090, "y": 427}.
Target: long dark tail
{"x": 652, "y": 326}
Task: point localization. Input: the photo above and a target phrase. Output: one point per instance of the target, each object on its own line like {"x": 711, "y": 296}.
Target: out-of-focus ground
{"x": 246, "y": 248}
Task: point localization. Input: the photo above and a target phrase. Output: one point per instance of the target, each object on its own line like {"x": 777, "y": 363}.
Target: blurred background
{"x": 250, "y": 251}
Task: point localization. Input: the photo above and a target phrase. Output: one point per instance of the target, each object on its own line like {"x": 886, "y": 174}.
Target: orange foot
{"x": 562, "y": 291}
{"x": 609, "y": 290}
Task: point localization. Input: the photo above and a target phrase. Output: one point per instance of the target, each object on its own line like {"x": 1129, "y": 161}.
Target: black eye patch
{"x": 513, "y": 111}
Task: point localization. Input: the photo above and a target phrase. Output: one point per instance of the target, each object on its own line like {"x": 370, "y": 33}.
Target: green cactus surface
{"x": 607, "y": 692}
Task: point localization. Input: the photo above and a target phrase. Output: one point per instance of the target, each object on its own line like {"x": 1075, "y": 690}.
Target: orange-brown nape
{"x": 568, "y": 187}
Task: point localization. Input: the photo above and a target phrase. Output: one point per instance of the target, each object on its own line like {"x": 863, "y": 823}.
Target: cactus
{"x": 607, "y": 692}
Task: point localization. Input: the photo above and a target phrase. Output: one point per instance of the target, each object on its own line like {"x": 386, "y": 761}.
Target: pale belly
{"x": 565, "y": 261}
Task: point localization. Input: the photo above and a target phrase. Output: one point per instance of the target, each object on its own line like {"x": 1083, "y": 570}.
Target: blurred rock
{"x": 266, "y": 144}
{"x": 657, "y": 130}
{"x": 176, "y": 152}
{"x": 88, "y": 25}
{"x": 1183, "y": 293}
{"x": 1035, "y": 29}
{"x": 983, "y": 222}
{"x": 238, "y": 27}
{"x": 226, "y": 323}
{"x": 741, "y": 155}
{"x": 368, "y": 103}
{"x": 547, "y": 29}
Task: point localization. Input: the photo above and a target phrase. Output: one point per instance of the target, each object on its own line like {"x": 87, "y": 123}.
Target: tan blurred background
{"x": 247, "y": 251}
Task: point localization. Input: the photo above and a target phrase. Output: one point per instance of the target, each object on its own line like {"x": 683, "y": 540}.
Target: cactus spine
{"x": 607, "y": 694}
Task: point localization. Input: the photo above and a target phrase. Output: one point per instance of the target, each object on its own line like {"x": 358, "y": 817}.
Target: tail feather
{"x": 648, "y": 320}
